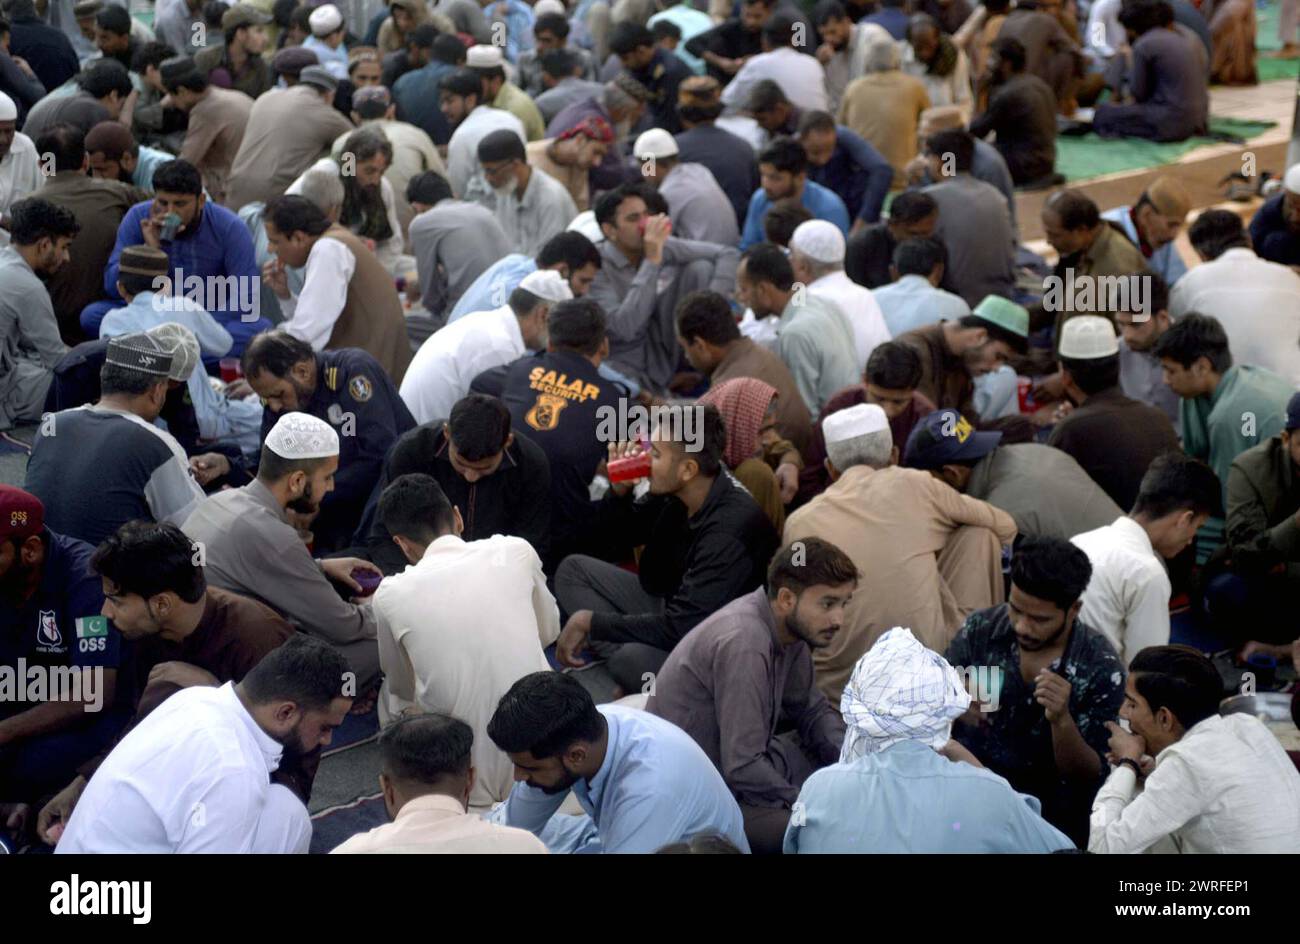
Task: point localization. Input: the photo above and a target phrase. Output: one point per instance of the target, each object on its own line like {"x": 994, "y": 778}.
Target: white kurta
{"x": 450, "y": 358}
{"x": 194, "y": 776}
{"x": 457, "y": 630}
{"x": 859, "y": 306}
{"x": 1127, "y": 599}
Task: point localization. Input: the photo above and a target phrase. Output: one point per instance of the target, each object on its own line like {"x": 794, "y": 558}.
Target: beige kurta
{"x": 885, "y": 109}
{"x": 928, "y": 556}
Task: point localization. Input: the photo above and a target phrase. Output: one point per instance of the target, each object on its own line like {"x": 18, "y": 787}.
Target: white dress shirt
{"x": 451, "y": 357}
{"x": 859, "y": 307}
{"x": 20, "y": 172}
{"x": 1256, "y": 301}
{"x": 801, "y": 77}
{"x": 193, "y": 776}
{"x": 457, "y": 629}
{"x": 310, "y": 315}
{"x": 462, "y": 148}
{"x": 1226, "y": 787}
{"x": 1127, "y": 599}
{"x": 436, "y": 824}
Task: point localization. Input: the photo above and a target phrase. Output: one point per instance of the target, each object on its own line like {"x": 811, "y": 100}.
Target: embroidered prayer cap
{"x": 819, "y": 240}
{"x": 900, "y": 691}
{"x": 302, "y": 436}
{"x": 21, "y": 513}
{"x": 144, "y": 260}
{"x": 1087, "y": 337}
{"x": 484, "y": 57}
{"x": 8, "y": 110}
{"x": 861, "y": 419}
{"x": 325, "y": 20}
{"x": 547, "y": 284}
{"x": 655, "y": 143}
{"x": 140, "y": 353}
{"x": 180, "y": 342}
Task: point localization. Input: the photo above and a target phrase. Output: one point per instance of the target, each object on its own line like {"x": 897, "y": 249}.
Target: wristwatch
{"x": 1130, "y": 762}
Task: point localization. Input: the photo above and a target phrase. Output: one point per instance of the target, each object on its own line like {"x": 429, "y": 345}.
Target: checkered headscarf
{"x": 742, "y": 402}
{"x": 900, "y": 691}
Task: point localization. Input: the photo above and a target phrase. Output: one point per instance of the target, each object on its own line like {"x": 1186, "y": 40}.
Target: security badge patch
{"x": 554, "y": 393}
{"x": 360, "y": 388}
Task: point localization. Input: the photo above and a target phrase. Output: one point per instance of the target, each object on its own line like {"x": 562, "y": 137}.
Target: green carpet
{"x": 1266, "y": 39}
{"x": 1092, "y": 156}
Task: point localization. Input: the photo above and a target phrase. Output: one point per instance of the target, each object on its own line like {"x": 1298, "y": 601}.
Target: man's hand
{"x": 15, "y": 817}
{"x": 1053, "y": 693}
{"x": 340, "y": 569}
{"x": 274, "y": 275}
{"x": 573, "y": 639}
{"x": 55, "y": 814}
{"x": 657, "y": 228}
{"x": 23, "y": 65}
{"x": 825, "y": 53}
{"x": 1280, "y": 653}
{"x": 916, "y": 170}
{"x": 957, "y": 752}
{"x": 1050, "y": 389}
{"x": 787, "y": 476}
{"x": 151, "y": 229}
{"x": 209, "y": 467}
{"x": 182, "y": 675}
{"x": 238, "y": 389}
{"x": 1124, "y": 745}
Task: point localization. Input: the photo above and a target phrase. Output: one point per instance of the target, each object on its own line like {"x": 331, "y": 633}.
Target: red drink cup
{"x": 629, "y": 468}
{"x": 1025, "y": 387}
{"x": 230, "y": 369}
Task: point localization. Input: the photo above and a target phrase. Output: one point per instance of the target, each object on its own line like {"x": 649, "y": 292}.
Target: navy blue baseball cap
{"x": 1293, "y": 412}
{"x": 946, "y": 436}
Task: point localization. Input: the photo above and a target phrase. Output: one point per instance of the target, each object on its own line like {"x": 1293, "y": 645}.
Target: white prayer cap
{"x": 1292, "y": 179}
{"x": 484, "y": 57}
{"x": 325, "y": 20}
{"x": 900, "y": 691}
{"x": 655, "y": 143}
{"x": 852, "y": 422}
{"x": 1086, "y": 337}
{"x": 547, "y": 284}
{"x": 302, "y": 436}
{"x": 180, "y": 342}
{"x": 585, "y": 223}
{"x": 8, "y": 110}
{"x": 819, "y": 240}
{"x": 548, "y": 6}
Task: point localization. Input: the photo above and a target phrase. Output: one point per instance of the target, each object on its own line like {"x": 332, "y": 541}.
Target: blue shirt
{"x": 908, "y": 798}
{"x": 912, "y": 302}
{"x": 335, "y": 61}
{"x": 496, "y": 281}
{"x": 416, "y": 94}
{"x": 893, "y": 19}
{"x": 819, "y": 201}
{"x": 61, "y": 624}
{"x": 1270, "y": 236}
{"x": 656, "y": 786}
{"x": 220, "y": 246}
{"x": 219, "y": 417}
{"x": 519, "y": 25}
{"x": 148, "y": 161}
{"x": 857, "y": 174}
{"x": 691, "y": 22}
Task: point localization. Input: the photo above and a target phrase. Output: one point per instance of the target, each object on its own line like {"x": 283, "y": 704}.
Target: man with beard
{"x": 369, "y": 200}
{"x": 30, "y": 346}
{"x": 1043, "y": 727}
{"x": 641, "y": 781}
{"x": 251, "y": 548}
{"x": 188, "y": 634}
{"x": 347, "y": 299}
{"x": 204, "y": 242}
{"x": 50, "y": 620}
{"x": 20, "y": 172}
{"x": 195, "y": 775}
{"x": 747, "y": 669}
{"x": 346, "y": 388}
{"x": 530, "y": 204}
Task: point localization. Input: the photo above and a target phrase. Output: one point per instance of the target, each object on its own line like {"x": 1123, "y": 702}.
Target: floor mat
{"x": 355, "y": 729}
{"x": 331, "y": 827}
{"x": 1092, "y": 156}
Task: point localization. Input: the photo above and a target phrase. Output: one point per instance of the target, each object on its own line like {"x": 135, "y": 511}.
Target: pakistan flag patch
{"x": 91, "y": 626}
